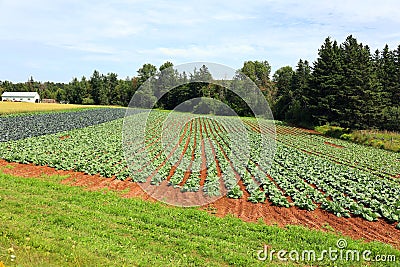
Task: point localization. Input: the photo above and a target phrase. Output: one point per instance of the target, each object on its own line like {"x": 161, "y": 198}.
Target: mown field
{"x": 203, "y": 155}
{"x": 9, "y": 108}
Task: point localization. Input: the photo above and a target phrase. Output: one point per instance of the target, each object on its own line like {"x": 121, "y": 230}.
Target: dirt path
{"x": 319, "y": 219}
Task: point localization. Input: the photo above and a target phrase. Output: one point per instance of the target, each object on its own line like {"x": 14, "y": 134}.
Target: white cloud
{"x": 136, "y": 32}
{"x": 87, "y": 47}
{"x": 230, "y": 16}
{"x": 196, "y": 52}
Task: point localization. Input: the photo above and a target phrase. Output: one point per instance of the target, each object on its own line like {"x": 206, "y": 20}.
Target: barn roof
{"x": 20, "y": 94}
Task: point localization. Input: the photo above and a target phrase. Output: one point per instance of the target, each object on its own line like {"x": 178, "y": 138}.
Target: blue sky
{"x": 55, "y": 40}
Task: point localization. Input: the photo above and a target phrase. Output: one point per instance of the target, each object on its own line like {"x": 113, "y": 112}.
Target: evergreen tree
{"x": 110, "y": 95}
{"x": 299, "y": 109}
{"x": 86, "y": 91}
{"x": 389, "y": 76}
{"x": 395, "y": 92}
{"x": 326, "y": 95}
{"x": 96, "y": 84}
{"x": 284, "y": 95}
{"x": 145, "y": 72}
{"x": 200, "y": 82}
{"x": 360, "y": 85}
{"x": 74, "y": 93}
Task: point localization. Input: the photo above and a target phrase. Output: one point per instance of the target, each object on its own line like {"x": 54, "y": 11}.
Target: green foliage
{"x": 87, "y": 101}
{"x": 283, "y": 82}
{"x": 346, "y": 137}
{"x": 258, "y": 72}
{"x": 146, "y": 72}
{"x": 293, "y": 99}
{"x": 379, "y": 139}
{"x": 235, "y": 192}
{"x": 390, "y": 118}
{"x": 348, "y": 87}
{"x": 332, "y": 131}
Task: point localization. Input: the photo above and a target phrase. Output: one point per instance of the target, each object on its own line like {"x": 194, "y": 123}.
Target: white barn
{"x": 32, "y": 97}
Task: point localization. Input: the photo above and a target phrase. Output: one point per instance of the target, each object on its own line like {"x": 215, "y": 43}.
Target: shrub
{"x": 332, "y": 131}
{"x": 346, "y": 136}
{"x": 87, "y": 101}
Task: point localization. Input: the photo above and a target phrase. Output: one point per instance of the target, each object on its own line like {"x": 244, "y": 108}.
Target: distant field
{"x": 21, "y": 107}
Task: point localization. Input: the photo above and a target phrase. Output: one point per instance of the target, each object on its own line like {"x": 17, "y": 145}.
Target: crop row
{"x": 24, "y": 126}
{"x": 188, "y": 160}
{"x": 380, "y": 162}
{"x": 310, "y": 181}
{"x": 213, "y": 154}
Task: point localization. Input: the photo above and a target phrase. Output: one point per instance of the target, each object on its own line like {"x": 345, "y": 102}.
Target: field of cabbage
{"x": 204, "y": 154}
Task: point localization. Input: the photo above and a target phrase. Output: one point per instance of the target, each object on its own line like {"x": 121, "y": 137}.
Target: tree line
{"x": 346, "y": 85}
{"x": 100, "y": 89}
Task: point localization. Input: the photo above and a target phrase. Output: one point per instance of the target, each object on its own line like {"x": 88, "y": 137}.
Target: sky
{"x": 56, "y": 40}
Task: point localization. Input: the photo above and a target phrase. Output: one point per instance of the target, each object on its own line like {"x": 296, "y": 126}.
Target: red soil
{"x": 310, "y": 131}
{"x": 203, "y": 171}
{"x": 188, "y": 172}
{"x": 174, "y": 196}
{"x": 332, "y": 144}
{"x": 319, "y": 219}
{"x": 64, "y": 137}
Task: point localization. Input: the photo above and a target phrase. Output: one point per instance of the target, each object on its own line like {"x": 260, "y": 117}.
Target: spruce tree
{"x": 299, "y": 109}
{"x": 326, "y": 97}
{"x": 361, "y": 86}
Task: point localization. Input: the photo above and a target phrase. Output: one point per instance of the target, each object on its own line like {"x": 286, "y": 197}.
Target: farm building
{"x": 21, "y": 97}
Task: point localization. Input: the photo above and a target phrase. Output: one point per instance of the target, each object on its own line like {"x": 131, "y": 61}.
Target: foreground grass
{"x": 45, "y": 223}
{"x": 7, "y": 108}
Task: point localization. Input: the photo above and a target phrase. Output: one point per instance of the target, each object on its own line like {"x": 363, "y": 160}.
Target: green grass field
{"x": 45, "y": 223}
{"x": 379, "y": 139}
{"x": 376, "y": 138}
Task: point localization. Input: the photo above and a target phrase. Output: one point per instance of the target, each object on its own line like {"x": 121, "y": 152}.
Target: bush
{"x": 332, "y": 131}
{"x": 347, "y": 137}
{"x": 87, "y": 101}
{"x": 378, "y": 144}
